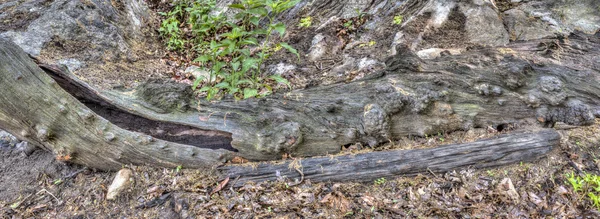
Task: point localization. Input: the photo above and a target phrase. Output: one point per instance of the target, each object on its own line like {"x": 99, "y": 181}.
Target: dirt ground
{"x": 38, "y": 186}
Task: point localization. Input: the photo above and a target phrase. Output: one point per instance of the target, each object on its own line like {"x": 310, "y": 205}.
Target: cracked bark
{"x": 552, "y": 80}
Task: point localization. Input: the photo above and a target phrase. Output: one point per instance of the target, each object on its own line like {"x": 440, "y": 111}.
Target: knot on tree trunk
{"x": 282, "y": 138}
{"x": 376, "y": 124}
{"x": 167, "y": 96}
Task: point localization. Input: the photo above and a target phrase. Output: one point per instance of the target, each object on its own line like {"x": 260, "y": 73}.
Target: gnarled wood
{"x": 480, "y": 88}
{"x": 500, "y": 150}
{"x": 36, "y": 109}
{"x": 549, "y": 80}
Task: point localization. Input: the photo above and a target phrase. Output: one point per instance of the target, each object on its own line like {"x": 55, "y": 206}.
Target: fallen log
{"x": 34, "y": 108}
{"x": 161, "y": 123}
{"x": 484, "y": 87}
{"x": 366, "y": 167}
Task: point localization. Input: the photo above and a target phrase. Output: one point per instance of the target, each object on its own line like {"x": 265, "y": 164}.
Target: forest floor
{"x": 38, "y": 186}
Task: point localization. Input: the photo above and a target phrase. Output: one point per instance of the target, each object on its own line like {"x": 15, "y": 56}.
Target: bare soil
{"x": 37, "y": 186}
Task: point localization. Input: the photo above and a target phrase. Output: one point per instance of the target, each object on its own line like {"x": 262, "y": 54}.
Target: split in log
{"x": 500, "y": 150}
{"x": 36, "y": 109}
{"x": 551, "y": 80}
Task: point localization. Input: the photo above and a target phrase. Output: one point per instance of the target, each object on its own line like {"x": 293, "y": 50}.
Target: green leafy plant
{"x": 348, "y": 24}
{"x": 305, "y": 22}
{"x": 380, "y": 181}
{"x": 398, "y": 19}
{"x": 229, "y": 49}
{"x": 589, "y": 185}
{"x": 169, "y": 28}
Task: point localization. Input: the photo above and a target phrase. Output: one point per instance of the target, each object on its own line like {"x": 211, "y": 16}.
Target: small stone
{"x": 433, "y": 53}
{"x": 281, "y": 69}
{"x": 72, "y": 64}
{"x": 198, "y": 72}
{"x": 6, "y": 139}
{"x": 26, "y": 148}
{"x": 121, "y": 182}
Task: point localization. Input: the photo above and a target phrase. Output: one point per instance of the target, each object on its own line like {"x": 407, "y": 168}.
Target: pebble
{"x": 121, "y": 182}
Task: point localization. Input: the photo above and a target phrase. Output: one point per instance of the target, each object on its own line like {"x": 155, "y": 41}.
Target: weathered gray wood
{"x": 549, "y": 80}
{"x": 479, "y": 88}
{"x": 36, "y": 109}
{"x": 500, "y": 150}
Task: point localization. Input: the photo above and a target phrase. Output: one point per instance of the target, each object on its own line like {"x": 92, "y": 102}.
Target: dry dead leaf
{"x": 507, "y": 190}
{"x": 337, "y": 200}
{"x": 220, "y": 186}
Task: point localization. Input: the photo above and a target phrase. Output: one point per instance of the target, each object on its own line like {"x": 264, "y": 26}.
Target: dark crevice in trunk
{"x": 166, "y": 131}
{"x": 163, "y": 130}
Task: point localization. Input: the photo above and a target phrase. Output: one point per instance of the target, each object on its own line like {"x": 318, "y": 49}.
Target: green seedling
{"x": 398, "y": 19}
{"x": 305, "y": 22}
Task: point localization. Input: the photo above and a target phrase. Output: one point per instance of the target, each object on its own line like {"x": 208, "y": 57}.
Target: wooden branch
{"x": 500, "y": 150}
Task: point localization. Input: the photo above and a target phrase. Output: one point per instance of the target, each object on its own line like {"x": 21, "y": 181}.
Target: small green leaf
{"x": 255, "y": 20}
{"x": 250, "y": 63}
{"x": 222, "y": 85}
{"x": 237, "y": 6}
{"x": 244, "y": 81}
{"x": 258, "y": 11}
{"x": 197, "y": 82}
{"x": 202, "y": 58}
{"x": 249, "y": 41}
{"x": 58, "y": 181}
{"x": 204, "y": 89}
{"x": 281, "y": 80}
{"x": 235, "y": 65}
{"x": 249, "y": 92}
{"x": 279, "y": 27}
{"x": 290, "y": 49}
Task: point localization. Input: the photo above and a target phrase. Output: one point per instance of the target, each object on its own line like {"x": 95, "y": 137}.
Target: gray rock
{"x": 564, "y": 17}
{"x": 26, "y": 148}
{"x": 369, "y": 65}
{"x": 483, "y": 24}
{"x": 198, "y": 72}
{"x": 7, "y": 140}
{"x": 433, "y": 53}
{"x": 318, "y": 48}
{"x": 97, "y": 26}
{"x": 281, "y": 69}
{"x": 522, "y": 27}
{"x": 72, "y": 64}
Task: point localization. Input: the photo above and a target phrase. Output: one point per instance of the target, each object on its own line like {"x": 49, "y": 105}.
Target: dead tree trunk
{"x": 36, "y": 109}
{"x": 548, "y": 80}
{"x": 501, "y": 150}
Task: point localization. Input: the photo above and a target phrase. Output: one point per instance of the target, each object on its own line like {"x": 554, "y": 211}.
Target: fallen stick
{"x": 497, "y": 151}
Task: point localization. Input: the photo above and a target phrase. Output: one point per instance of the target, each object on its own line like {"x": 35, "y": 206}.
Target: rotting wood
{"x": 36, "y": 109}
{"x": 366, "y": 167}
{"x": 479, "y": 88}
{"x": 483, "y": 87}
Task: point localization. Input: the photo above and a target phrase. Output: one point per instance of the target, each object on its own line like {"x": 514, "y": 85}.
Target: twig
{"x": 233, "y": 184}
{"x": 301, "y": 178}
{"x": 432, "y": 173}
{"x": 44, "y": 190}
{"x": 73, "y": 174}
